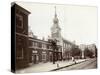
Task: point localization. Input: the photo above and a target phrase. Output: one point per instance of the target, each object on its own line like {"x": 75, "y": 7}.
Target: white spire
{"x": 55, "y": 12}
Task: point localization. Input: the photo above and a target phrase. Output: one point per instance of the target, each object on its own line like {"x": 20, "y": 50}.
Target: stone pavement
{"x": 49, "y": 66}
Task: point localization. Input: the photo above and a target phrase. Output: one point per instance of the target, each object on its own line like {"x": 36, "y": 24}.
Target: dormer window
{"x": 19, "y": 21}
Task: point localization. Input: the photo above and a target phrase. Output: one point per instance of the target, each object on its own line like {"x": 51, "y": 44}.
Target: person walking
{"x": 73, "y": 59}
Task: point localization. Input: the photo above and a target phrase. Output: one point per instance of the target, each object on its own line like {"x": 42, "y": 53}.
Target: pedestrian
{"x": 57, "y": 65}
{"x": 73, "y": 59}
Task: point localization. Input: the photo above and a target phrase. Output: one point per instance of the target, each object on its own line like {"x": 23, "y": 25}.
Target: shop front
{"x": 44, "y": 56}
{"x": 35, "y": 57}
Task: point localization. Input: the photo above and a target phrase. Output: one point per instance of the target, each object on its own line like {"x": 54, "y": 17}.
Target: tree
{"x": 95, "y": 51}
{"x": 88, "y": 53}
{"x": 76, "y": 52}
{"x": 54, "y": 47}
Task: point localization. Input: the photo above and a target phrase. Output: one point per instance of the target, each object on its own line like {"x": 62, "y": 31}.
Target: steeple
{"x": 55, "y": 29}
{"x": 55, "y": 12}
{"x": 55, "y": 20}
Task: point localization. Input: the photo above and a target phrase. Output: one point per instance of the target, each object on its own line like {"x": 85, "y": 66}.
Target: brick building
{"x": 41, "y": 50}
{"x": 20, "y": 17}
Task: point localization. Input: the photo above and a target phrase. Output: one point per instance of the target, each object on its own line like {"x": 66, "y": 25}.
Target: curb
{"x": 67, "y": 66}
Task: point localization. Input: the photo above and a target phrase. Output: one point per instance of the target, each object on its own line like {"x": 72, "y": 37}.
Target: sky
{"x": 77, "y": 23}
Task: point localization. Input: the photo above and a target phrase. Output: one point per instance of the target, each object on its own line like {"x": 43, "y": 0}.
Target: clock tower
{"x": 55, "y": 29}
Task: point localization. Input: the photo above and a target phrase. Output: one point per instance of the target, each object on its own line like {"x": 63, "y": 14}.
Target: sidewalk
{"x": 49, "y": 66}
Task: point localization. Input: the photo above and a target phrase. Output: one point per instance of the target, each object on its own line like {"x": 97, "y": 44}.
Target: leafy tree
{"x": 76, "y": 51}
{"x": 88, "y": 53}
{"x": 54, "y": 47}
{"x": 95, "y": 51}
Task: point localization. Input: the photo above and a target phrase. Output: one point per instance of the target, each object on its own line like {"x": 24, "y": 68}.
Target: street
{"x": 90, "y": 64}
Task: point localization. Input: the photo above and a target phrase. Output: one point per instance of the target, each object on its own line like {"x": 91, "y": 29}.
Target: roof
{"x": 68, "y": 41}
{"x": 20, "y": 7}
{"x": 39, "y": 40}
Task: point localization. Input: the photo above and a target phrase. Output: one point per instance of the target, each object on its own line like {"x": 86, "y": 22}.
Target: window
{"x": 47, "y": 46}
{"x": 20, "y": 53}
{"x": 35, "y": 44}
{"x": 19, "y": 48}
{"x": 39, "y": 45}
{"x": 19, "y": 21}
{"x": 43, "y": 56}
{"x": 30, "y": 43}
{"x": 42, "y": 45}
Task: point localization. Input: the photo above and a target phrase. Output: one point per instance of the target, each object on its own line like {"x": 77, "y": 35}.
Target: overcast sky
{"x": 77, "y": 23}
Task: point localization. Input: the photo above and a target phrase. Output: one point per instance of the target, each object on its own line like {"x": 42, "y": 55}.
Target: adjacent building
{"x": 21, "y": 35}
{"x": 42, "y": 51}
